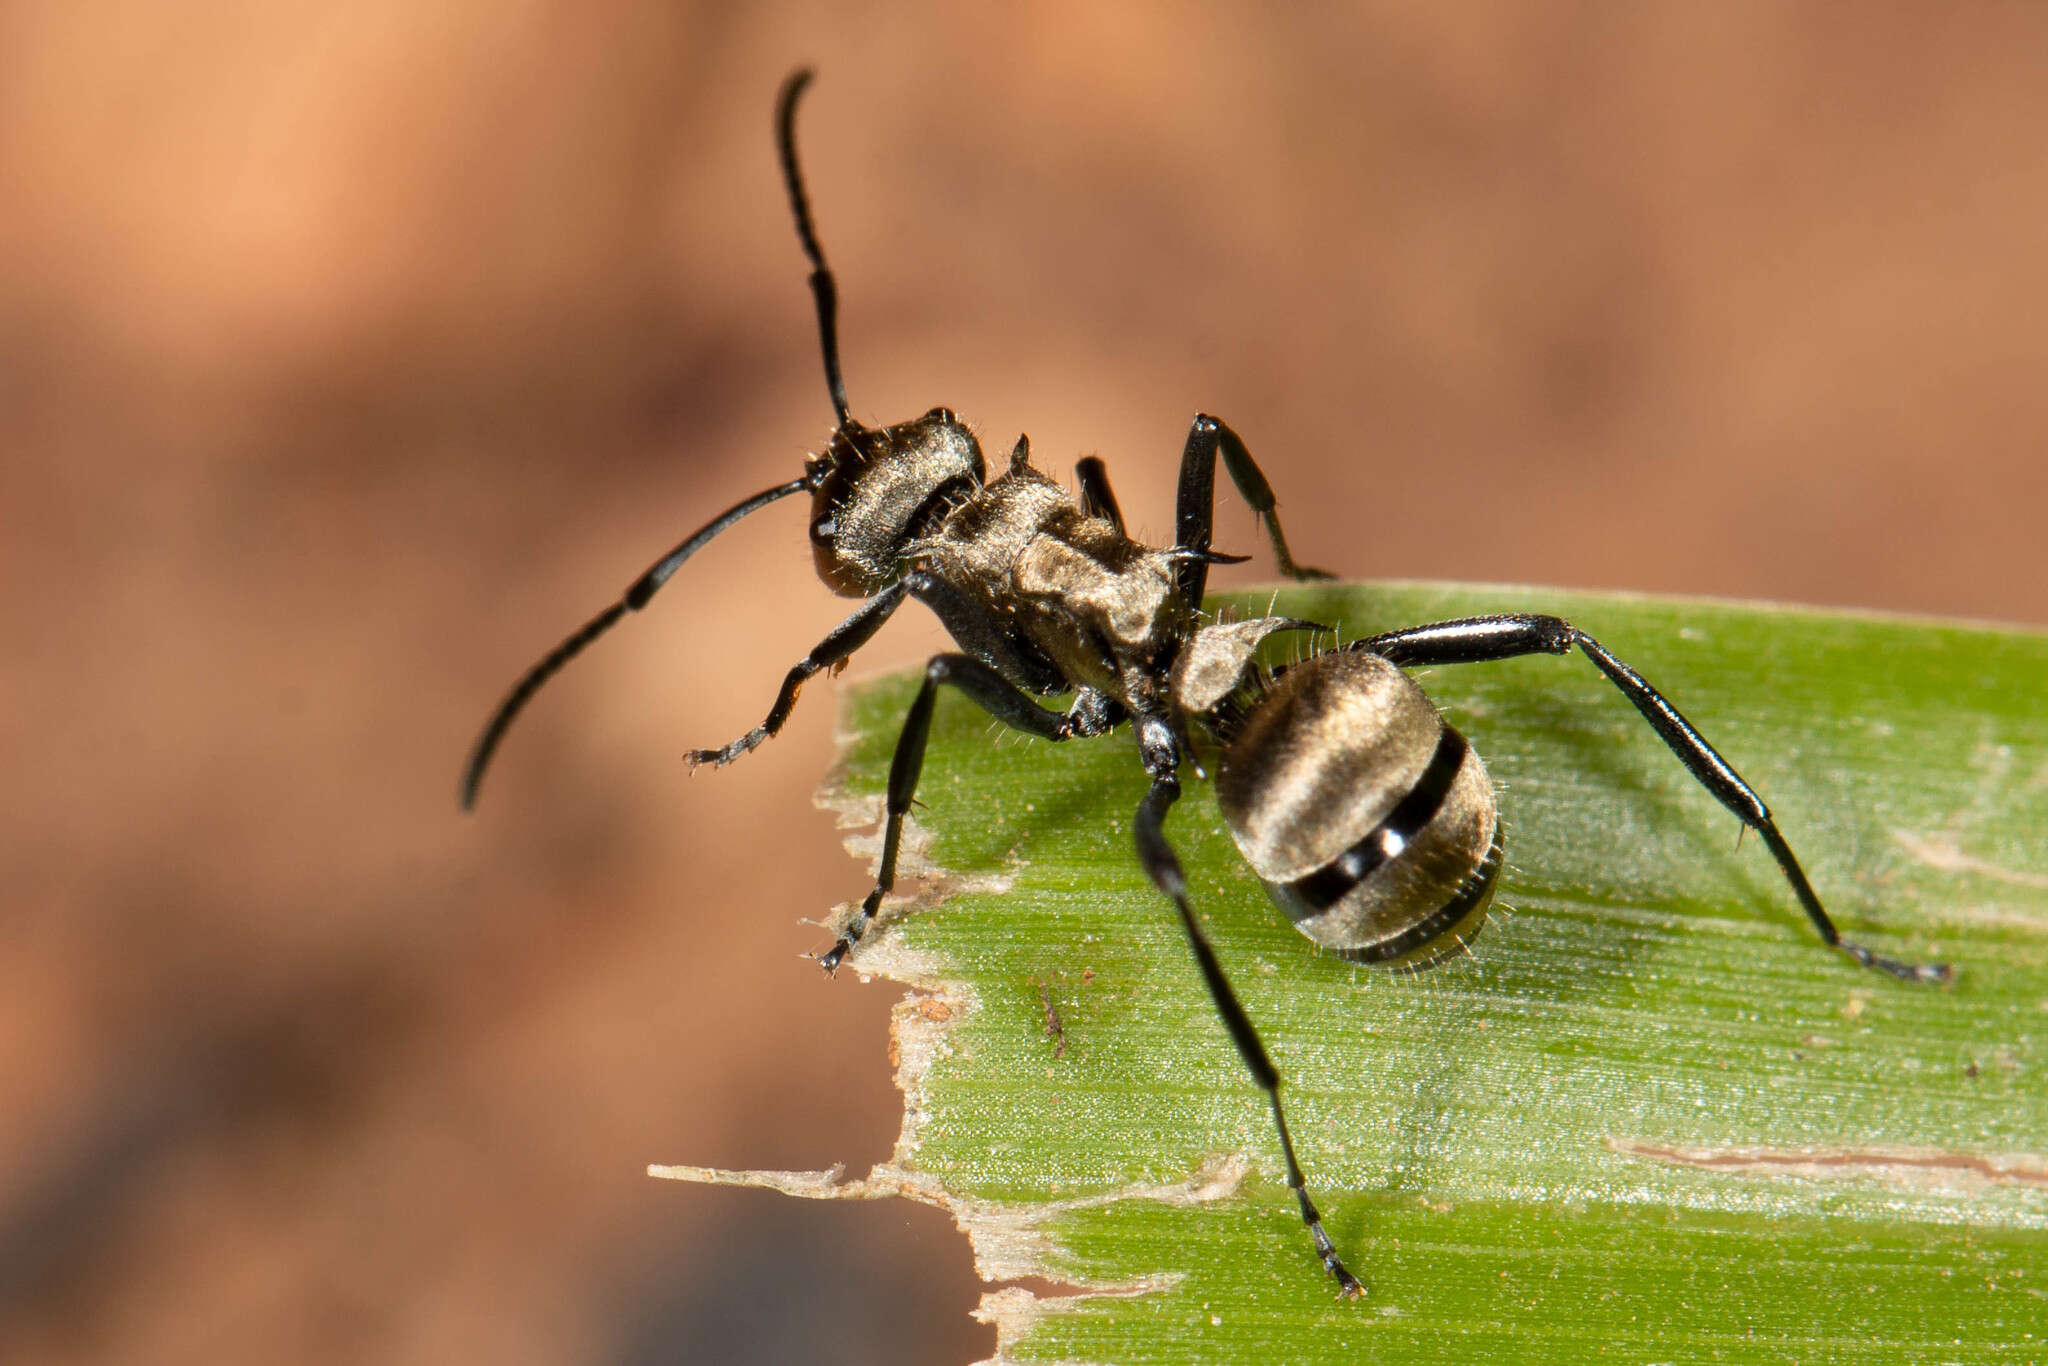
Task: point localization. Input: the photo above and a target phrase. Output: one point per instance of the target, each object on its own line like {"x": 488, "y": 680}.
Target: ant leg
{"x": 1163, "y": 867}
{"x": 1476, "y": 640}
{"x": 1472, "y": 640}
{"x": 992, "y": 639}
{"x": 1096, "y": 499}
{"x": 995, "y": 695}
{"x": 1196, "y": 505}
{"x": 829, "y": 653}
{"x": 1095, "y": 713}
{"x": 635, "y": 598}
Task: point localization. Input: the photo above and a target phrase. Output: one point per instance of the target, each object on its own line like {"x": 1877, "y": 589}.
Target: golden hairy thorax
{"x": 1097, "y": 604}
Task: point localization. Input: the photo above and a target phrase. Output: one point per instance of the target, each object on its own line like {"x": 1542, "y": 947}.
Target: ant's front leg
{"x": 995, "y": 695}
{"x": 1195, "y": 509}
{"x": 831, "y": 652}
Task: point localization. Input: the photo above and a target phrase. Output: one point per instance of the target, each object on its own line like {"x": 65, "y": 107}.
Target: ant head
{"x": 876, "y": 490}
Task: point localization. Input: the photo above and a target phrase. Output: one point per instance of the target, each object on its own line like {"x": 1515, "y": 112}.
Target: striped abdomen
{"x": 1370, "y": 821}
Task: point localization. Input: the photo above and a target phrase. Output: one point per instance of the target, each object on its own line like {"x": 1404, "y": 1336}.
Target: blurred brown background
{"x": 350, "y": 354}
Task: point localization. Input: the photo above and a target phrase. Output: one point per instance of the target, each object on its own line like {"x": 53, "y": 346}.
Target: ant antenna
{"x": 648, "y": 584}
{"x": 823, "y": 289}
{"x": 634, "y": 598}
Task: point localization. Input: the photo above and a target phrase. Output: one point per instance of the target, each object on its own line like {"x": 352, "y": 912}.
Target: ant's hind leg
{"x": 1195, "y": 509}
{"x": 1162, "y": 865}
{"x": 995, "y": 695}
{"x": 1479, "y": 640}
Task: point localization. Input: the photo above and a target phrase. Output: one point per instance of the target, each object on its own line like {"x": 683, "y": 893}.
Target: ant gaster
{"x": 1370, "y": 821}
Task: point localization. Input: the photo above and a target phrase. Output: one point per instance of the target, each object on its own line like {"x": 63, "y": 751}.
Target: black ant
{"x": 1370, "y": 821}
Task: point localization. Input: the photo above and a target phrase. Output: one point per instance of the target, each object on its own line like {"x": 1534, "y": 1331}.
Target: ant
{"x": 1370, "y": 821}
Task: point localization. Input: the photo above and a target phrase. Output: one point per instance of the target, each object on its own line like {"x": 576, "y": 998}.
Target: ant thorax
{"x": 1100, "y": 606}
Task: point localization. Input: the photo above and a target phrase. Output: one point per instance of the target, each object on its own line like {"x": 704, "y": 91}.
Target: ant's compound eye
{"x": 945, "y": 415}
{"x": 824, "y": 528}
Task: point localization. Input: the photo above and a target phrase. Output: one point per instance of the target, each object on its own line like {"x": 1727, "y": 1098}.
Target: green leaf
{"x": 1648, "y": 1119}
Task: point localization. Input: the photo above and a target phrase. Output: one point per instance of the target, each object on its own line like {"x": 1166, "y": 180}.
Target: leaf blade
{"x": 1654, "y": 1003}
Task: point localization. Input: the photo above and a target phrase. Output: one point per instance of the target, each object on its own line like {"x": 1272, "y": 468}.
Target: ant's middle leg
{"x": 995, "y": 695}
{"x": 1097, "y": 499}
{"x": 992, "y": 639}
{"x": 1195, "y": 509}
